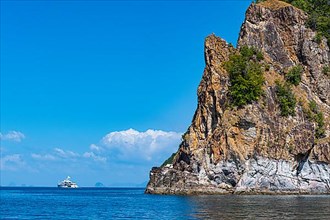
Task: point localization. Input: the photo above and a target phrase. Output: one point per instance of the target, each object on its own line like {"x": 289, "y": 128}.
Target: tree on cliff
{"x": 246, "y": 76}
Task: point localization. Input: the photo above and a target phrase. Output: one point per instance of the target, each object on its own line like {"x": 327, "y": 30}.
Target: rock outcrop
{"x": 253, "y": 149}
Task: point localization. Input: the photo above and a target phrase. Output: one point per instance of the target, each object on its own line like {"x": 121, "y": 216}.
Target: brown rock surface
{"x": 253, "y": 149}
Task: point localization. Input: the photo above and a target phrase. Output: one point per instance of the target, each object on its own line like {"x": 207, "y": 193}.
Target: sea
{"x": 132, "y": 203}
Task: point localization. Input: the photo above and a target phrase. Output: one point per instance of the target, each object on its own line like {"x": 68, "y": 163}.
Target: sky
{"x": 101, "y": 90}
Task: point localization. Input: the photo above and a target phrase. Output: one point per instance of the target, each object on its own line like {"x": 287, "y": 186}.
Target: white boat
{"x": 67, "y": 183}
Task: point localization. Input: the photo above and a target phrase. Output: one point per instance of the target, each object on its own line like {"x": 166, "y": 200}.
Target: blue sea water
{"x": 132, "y": 203}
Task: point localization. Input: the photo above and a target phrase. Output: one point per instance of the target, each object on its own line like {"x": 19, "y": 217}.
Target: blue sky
{"x": 101, "y": 90}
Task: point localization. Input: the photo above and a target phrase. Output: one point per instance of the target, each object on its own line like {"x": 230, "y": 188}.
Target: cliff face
{"x": 253, "y": 149}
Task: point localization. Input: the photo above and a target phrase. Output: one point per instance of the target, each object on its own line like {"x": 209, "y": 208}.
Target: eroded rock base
{"x": 257, "y": 176}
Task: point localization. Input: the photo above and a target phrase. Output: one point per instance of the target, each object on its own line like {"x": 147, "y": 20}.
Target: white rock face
{"x": 260, "y": 175}
{"x": 263, "y": 174}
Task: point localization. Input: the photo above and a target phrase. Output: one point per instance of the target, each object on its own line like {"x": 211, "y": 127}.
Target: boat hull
{"x": 75, "y": 186}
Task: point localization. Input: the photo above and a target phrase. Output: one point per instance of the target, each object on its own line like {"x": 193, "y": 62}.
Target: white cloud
{"x": 94, "y": 157}
{"x": 94, "y": 147}
{"x": 134, "y": 146}
{"x": 12, "y": 136}
{"x": 57, "y": 154}
{"x": 11, "y": 162}
{"x": 65, "y": 154}
{"x": 43, "y": 157}
{"x": 124, "y": 150}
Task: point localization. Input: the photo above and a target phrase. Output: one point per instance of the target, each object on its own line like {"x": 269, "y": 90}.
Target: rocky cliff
{"x": 254, "y": 148}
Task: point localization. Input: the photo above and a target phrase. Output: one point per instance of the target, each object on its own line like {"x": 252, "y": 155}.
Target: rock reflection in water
{"x": 260, "y": 207}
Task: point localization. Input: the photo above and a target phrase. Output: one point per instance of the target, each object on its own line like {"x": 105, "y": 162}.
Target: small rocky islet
{"x": 262, "y": 120}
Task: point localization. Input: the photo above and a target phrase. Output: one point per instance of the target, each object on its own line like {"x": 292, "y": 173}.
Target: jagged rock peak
{"x": 277, "y": 32}
{"x": 274, "y": 4}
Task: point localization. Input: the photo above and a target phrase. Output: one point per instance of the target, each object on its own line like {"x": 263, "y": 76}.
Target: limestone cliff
{"x": 254, "y": 149}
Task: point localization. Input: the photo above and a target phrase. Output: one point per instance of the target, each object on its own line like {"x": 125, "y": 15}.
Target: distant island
{"x": 262, "y": 120}
{"x": 99, "y": 184}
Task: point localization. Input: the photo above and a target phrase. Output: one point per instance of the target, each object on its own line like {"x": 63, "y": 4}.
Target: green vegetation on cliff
{"x": 319, "y": 131}
{"x": 318, "y": 117}
{"x": 169, "y": 160}
{"x": 294, "y": 75}
{"x": 286, "y": 99}
{"x": 246, "y": 76}
{"x": 326, "y": 70}
{"x": 314, "y": 114}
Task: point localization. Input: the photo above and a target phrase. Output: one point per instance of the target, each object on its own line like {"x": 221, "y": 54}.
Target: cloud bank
{"x": 133, "y": 146}
{"x": 12, "y": 136}
{"x": 120, "y": 157}
{"x": 11, "y": 162}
